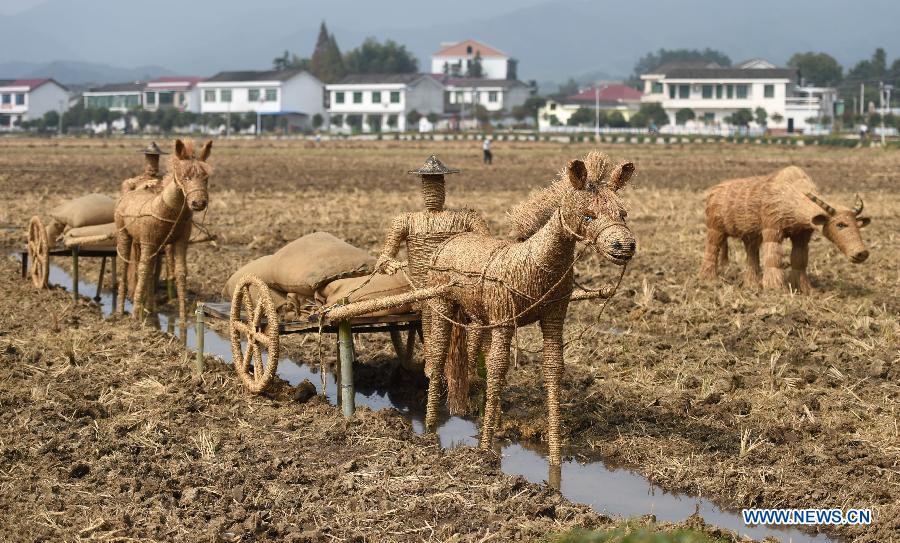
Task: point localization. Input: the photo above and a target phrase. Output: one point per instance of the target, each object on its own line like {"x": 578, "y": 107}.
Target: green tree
{"x": 475, "y": 69}
{"x": 651, "y": 112}
{"x": 568, "y": 88}
{"x": 326, "y": 62}
{"x": 317, "y": 121}
{"x": 337, "y": 120}
{"x": 432, "y": 118}
{"x": 582, "y": 116}
{"x": 818, "y": 69}
{"x": 374, "y": 122}
{"x": 761, "y": 116}
{"x": 616, "y": 120}
{"x": 354, "y": 122}
{"x": 413, "y": 118}
{"x": 651, "y": 61}
{"x": 684, "y": 115}
{"x": 777, "y": 118}
{"x": 741, "y": 117}
{"x": 50, "y": 121}
{"x": 283, "y": 62}
{"x": 373, "y": 57}
{"x": 482, "y": 115}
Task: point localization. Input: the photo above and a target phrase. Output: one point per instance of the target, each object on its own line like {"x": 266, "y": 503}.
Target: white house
{"x": 173, "y": 92}
{"x": 460, "y": 93}
{"x": 120, "y": 97}
{"x": 29, "y": 99}
{"x": 713, "y": 92}
{"x": 456, "y": 59}
{"x": 609, "y": 97}
{"x": 294, "y": 94}
{"x": 382, "y": 102}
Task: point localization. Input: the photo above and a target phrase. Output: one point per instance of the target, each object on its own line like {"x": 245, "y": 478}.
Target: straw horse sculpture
{"x": 156, "y": 219}
{"x": 501, "y": 285}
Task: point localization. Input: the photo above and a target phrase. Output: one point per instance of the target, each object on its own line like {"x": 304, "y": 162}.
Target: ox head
{"x": 841, "y": 226}
{"x": 593, "y": 212}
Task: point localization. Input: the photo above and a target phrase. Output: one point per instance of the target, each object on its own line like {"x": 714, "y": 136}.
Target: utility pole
{"x": 862, "y": 99}
{"x": 61, "y": 110}
{"x": 596, "y": 113}
{"x": 881, "y": 100}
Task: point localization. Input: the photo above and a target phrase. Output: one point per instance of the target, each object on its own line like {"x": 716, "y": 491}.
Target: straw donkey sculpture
{"x": 501, "y": 285}
{"x": 156, "y": 219}
{"x": 764, "y": 210}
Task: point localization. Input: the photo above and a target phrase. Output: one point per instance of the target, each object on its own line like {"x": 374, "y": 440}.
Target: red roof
{"x": 461, "y": 49}
{"x": 31, "y": 84}
{"x": 608, "y": 93}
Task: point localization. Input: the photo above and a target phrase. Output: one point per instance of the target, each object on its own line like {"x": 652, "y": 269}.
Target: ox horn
{"x": 857, "y": 209}
{"x": 821, "y": 203}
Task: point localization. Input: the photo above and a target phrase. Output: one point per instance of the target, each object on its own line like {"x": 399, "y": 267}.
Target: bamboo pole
{"x": 199, "y": 363}
{"x": 356, "y": 309}
{"x": 345, "y": 348}
{"x": 114, "y": 283}
{"x": 75, "y": 273}
{"x": 100, "y": 279}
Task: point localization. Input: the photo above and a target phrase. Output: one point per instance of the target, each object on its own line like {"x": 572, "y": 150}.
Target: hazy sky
{"x": 8, "y": 7}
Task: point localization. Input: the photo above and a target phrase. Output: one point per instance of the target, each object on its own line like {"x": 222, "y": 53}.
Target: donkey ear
{"x": 621, "y": 175}
{"x": 577, "y": 172}
{"x": 205, "y": 152}
{"x": 181, "y": 150}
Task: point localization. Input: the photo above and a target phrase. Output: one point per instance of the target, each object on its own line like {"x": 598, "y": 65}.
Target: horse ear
{"x": 577, "y": 173}
{"x": 621, "y": 175}
{"x": 181, "y": 150}
{"x": 205, "y": 152}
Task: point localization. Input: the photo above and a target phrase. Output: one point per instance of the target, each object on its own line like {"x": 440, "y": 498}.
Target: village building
{"x": 608, "y": 97}
{"x": 29, "y": 99}
{"x": 118, "y": 97}
{"x": 471, "y": 58}
{"x": 294, "y": 95}
{"x": 495, "y": 95}
{"x": 180, "y": 93}
{"x": 382, "y": 102}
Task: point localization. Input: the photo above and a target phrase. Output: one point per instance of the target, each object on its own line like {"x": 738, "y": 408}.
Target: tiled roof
{"x": 136, "y": 86}
{"x": 250, "y": 75}
{"x": 476, "y": 82}
{"x": 460, "y": 49}
{"x": 376, "y": 79}
{"x": 608, "y": 93}
{"x": 174, "y": 82}
{"x": 711, "y": 70}
{"x": 30, "y": 83}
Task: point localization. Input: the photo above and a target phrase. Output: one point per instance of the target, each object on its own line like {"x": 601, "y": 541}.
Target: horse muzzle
{"x": 198, "y": 205}
{"x": 616, "y": 243}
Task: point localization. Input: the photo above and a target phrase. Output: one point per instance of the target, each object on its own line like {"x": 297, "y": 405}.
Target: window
{"x": 671, "y": 91}
{"x": 742, "y": 91}
{"x": 656, "y": 87}
{"x": 151, "y": 98}
{"x": 209, "y": 95}
{"x": 225, "y": 95}
{"x": 769, "y": 91}
{"x": 376, "y": 97}
{"x": 459, "y": 97}
{"x": 719, "y": 92}
{"x": 166, "y": 98}
{"x": 338, "y": 97}
{"x": 253, "y": 95}
{"x": 357, "y": 97}
{"x": 271, "y": 95}
{"x": 492, "y": 96}
{"x": 729, "y": 91}
{"x": 709, "y": 117}
{"x": 7, "y": 99}
{"x": 20, "y": 99}
{"x": 707, "y": 91}
{"x": 684, "y": 91}
{"x": 395, "y": 97}
{"x": 552, "y": 106}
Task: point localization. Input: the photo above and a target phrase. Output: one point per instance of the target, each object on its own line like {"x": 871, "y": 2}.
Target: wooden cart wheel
{"x": 261, "y": 339}
{"x": 38, "y": 252}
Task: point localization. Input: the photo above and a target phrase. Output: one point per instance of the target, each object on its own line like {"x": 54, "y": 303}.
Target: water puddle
{"x": 611, "y": 491}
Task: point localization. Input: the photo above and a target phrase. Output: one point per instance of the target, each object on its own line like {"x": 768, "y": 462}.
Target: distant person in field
{"x": 863, "y": 133}
{"x": 486, "y": 148}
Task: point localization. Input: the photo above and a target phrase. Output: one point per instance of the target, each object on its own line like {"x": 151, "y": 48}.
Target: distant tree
{"x": 374, "y": 122}
{"x": 354, "y": 122}
{"x": 651, "y": 61}
{"x": 50, "y": 121}
{"x": 533, "y": 104}
{"x": 741, "y": 117}
{"x": 413, "y": 117}
{"x": 761, "y": 116}
{"x": 868, "y": 72}
{"x": 432, "y": 118}
{"x": 482, "y": 115}
{"x": 777, "y": 118}
{"x": 326, "y": 62}
{"x": 317, "y": 121}
{"x": 554, "y": 121}
{"x": 373, "y": 57}
{"x": 818, "y": 69}
{"x": 520, "y": 113}
{"x": 616, "y": 120}
{"x": 283, "y": 62}
{"x": 337, "y": 120}
{"x": 392, "y": 121}
{"x": 651, "y": 112}
{"x": 475, "y": 69}
{"x": 582, "y": 116}
{"x": 568, "y": 88}
{"x": 684, "y": 115}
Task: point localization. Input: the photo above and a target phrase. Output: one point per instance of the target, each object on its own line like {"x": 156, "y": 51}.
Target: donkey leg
{"x": 773, "y": 277}
{"x": 437, "y": 345}
{"x": 497, "y": 364}
{"x": 180, "y": 250}
{"x": 123, "y": 250}
{"x": 143, "y": 275}
{"x": 753, "y": 272}
{"x": 799, "y": 262}
{"x": 714, "y": 240}
{"x": 552, "y": 368}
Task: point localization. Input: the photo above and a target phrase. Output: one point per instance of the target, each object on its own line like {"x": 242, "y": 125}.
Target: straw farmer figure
{"x": 422, "y": 232}
{"x": 151, "y": 176}
{"x": 155, "y": 219}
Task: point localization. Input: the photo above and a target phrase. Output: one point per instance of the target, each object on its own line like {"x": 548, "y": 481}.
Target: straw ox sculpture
{"x": 158, "y": 218}
{"x": 500, "y": 285}
{"x": 764, "y": 210}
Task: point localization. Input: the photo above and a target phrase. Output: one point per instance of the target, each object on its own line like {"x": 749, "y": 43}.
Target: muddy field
{"x": 767, "y": 400}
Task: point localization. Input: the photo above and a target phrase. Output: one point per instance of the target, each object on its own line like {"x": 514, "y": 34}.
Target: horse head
{"x": 191, "y": 172}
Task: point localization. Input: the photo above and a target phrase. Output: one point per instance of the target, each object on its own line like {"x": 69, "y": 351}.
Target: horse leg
{"x": 753, "y": 272}
{"x": 497, "y": 364}
{"x": 773, "y": 277}
{"x": 123, "y": 251}
{"x": 436, "y": 346}
{"x": 552, "y": 367}
{"x": 179, "y": 248}
{"x": 714, "y": 240}
{"x": 144, "y": 270}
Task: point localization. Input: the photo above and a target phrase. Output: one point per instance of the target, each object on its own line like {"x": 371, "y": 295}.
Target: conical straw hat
{"x": 433, "y": 166}
{"x": 152, "y": 149}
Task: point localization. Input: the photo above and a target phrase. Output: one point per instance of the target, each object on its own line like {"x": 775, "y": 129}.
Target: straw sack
{"x": 96, "y": 231}
{"x": 88, "y": 210}
{"x": 378, "y": 287}
{"x": 309, "y": 262}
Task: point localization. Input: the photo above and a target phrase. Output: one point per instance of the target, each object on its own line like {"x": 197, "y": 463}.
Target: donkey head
{"x": 192, "y": 172}
{"x": 593, "y": 212}
{"x": 841, "y": 226}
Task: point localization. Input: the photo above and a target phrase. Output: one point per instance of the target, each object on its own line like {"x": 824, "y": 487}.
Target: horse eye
{"x": 841, "y": 226}
{"x": 623, "y": 215}
{"x": 588, "y": 218}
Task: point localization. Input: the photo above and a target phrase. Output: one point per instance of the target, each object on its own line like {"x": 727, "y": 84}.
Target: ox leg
{"x": 144, "y": 271}
{"x": 773, "y": 277}
{"x": 753, "y": 273}
{"x": 436, "y": 347}
{"x": 123, "y": 249}
{"x": 799, "y": 262}
{"x": 552, "y": 367}
{"x": 715, "y": 239}
{"x": 179, "y": 248}
{"x": 497, "y": 364}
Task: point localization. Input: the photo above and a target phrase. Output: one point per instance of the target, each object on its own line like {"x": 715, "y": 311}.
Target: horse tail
{"x": 456, "y": 369}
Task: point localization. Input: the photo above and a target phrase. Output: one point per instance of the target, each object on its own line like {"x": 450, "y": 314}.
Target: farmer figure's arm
{"x": 395, "y": 236}
{"x": 477, "y": 225}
